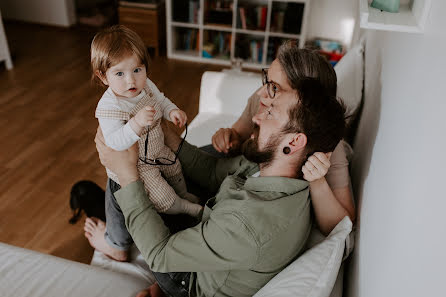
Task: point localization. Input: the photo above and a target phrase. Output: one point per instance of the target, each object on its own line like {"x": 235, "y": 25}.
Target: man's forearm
{"x": 141, "y": 219}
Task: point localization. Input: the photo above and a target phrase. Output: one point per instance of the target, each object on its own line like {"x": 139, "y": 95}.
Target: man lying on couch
{"x": 259, "y": 220}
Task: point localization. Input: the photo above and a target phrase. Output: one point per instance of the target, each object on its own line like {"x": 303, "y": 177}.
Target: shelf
{"x": 254, "y": 65}
{"x": 188, "y": 53}
{"x": 217, "y": 27}
{"x": 253, "y": 32}
{"x": 185, "y": 25}
{"x": 247, "y": 32}
{"x": 284, "y": 35}
{"x": 410, "y": 18}
{"x": 290, "y": 1}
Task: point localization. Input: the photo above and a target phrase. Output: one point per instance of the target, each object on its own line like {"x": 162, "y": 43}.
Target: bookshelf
{"x": 222, "y": 31}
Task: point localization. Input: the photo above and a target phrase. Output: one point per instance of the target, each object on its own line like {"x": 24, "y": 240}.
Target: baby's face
{"x": 127, "y": 78}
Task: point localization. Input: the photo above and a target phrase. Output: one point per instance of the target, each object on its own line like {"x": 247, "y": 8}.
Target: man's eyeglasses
{"x": 161, "y": 161}
{"x": 271, "y": 87}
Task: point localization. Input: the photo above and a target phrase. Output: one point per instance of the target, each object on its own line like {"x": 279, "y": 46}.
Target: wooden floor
{"x": 47, "y": 122}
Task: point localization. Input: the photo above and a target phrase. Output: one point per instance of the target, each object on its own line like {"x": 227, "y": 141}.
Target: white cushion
{"x": 314, "y": 273}
{"x": 350, "y": 75}
{"x": 27, "y": 273}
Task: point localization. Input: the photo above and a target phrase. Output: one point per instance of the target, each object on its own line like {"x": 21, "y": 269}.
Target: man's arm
{"x": 230, "y": 139}
{"x": 221, "y": 243}
{"x": 201, "y": 168}
{"x": 118, "y": 134}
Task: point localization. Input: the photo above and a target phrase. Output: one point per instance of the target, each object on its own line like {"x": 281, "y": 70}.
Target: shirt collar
{"x": 278, "y": 184}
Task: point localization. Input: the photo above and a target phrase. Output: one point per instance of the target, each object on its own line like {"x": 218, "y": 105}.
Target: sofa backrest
{"x": 227, "y": 92}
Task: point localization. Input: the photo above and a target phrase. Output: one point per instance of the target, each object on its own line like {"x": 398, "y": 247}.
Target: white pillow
{"x": 314, "y": 272}
{"x": 350, "y": 74}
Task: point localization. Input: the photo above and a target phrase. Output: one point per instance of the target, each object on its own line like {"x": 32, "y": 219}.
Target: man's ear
{"x": 102, "y": 77}
{"x": 298, "y": 142}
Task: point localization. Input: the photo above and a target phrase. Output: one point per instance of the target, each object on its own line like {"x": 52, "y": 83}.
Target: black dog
{"x": 89, "y": 197}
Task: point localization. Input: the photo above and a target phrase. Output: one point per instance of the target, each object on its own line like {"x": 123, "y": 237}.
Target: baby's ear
{"x": 102, "y": 77}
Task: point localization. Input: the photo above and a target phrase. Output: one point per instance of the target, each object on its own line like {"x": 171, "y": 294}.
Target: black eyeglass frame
{"x": 161, "y": 161}
{"x": 270, "y": 84}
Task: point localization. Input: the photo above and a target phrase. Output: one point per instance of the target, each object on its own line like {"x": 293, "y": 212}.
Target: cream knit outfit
{"x": 162, "y": 183}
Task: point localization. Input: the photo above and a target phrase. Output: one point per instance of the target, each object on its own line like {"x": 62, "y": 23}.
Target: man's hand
{"x": 145, "y": 116}
{"x": 316, "y": 166}
{"x": 226, "y": 139}
{"x": 178, "y": 117}
{"x": 123, "y": 163}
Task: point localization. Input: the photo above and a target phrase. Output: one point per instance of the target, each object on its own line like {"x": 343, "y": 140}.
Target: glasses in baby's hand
{"x": 161, "y": 160}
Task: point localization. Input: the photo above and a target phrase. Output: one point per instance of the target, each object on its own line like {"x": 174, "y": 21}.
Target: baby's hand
{"x": 145, "y": 116}
{"x": 178, "y": 117}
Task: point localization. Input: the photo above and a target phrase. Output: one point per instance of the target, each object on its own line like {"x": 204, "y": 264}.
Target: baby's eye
{"x": 137, "y": 70}
{"x": 120, "y": 73}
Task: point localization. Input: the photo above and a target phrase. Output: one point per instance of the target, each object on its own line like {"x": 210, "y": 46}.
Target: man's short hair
{"x": 317, "y": 114}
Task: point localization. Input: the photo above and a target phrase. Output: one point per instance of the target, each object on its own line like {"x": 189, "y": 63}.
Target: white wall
{"x": 399, "y": 167}
{"x": 53, "y": 12}
{"x": 333, "y": 19}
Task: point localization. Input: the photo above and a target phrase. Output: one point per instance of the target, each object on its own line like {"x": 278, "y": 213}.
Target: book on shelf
{"x": 263, "y": 12}
{"x": 256, "y": 48}
{"x": 252, "y": 17}
{"x": 242, "y": 17}
{"x": 273, "y": 46}
{"x": 193, "y": 11}
{"x": 217, "y": 44}
{"x": 188, "y": 40}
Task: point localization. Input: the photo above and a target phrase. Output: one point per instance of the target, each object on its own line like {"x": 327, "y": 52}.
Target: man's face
{"x": 267, "y": 139}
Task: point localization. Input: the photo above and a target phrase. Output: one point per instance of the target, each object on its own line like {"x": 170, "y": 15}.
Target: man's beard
{"x": 251, "y": 151}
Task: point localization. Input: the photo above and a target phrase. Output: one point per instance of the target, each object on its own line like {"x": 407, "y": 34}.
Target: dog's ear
{"x": 87, "y": 196}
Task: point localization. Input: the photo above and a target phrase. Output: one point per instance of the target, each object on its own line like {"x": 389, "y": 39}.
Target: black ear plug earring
{"x": 286, "y": 150}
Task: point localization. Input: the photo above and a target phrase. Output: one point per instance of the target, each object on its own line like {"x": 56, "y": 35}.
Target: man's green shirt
{"x": 252, "y": 229}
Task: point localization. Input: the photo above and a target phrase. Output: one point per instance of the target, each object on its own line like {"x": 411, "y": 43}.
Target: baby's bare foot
{"x": 94, "y": 231}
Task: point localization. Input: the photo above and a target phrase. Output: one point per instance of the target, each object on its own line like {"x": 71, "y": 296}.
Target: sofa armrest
{"x": 27, "y": 273}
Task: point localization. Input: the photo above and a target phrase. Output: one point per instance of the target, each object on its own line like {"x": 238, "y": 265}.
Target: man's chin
{"x": 252, "y": 153}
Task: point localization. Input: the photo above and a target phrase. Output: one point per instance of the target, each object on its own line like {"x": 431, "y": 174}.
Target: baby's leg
{"x": 175, "y": 178}
{"x": 113, "y": 238}
{"x": 163, "y": 195}
{"x": 178, "y": 183}
{"x": 184, "y": 206}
